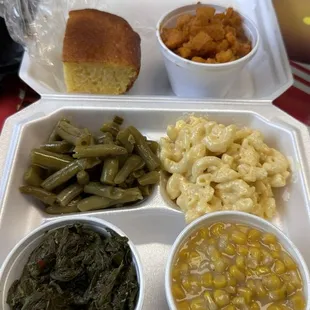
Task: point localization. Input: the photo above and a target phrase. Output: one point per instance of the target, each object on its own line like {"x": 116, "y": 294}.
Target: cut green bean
{"x": 93, "y": 203}
{"x": 149, "y": 178}
{"x": 151, "y": 160}
{"x": 118, "y": 120}
{"x": 105, "y": 138}
{"x": 46, "y": 159}
{"x": 82, "y": 177}
{"x": 138, "y": 173}
{"x": 154, "y": 146}
{"x": 97, "y": 202}
{"x": 54, "y": 136}
{"x": 61, "y": 176}
{"x": 72, "y": 134}
{"x": 69, "y": 193}
{"x": 32, "y": 176}
{"x": 121, "y": 160}
{"x": 109, "y": 171}
{"x": 39, "y": 193}
{"x": 111, "y": 192}
{"x": 126, "y": 139}
{"x": 110, "y": 127}
{"x": 145, "y": 190}
{"x": 129, "y": 166}
{"x": 99, "y": 150}
{"x": 60, "y": 147}
{"x": 70, "y": 208}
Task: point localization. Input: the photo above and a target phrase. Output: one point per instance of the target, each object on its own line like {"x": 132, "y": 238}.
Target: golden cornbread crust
{"x": 94, "y": 36}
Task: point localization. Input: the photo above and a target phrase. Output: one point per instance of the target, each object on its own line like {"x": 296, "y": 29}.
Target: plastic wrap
{"x": 40, "y": 25}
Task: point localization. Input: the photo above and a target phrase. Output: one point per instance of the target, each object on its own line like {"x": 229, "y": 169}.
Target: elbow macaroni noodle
{"x": 215, "y": 167}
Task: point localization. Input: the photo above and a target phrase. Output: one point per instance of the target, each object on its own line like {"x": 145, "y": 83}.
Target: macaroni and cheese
{"x": 216, "y": 167}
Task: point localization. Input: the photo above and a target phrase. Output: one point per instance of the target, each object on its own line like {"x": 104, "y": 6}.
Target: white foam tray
{"x": 154, "y": 224}
{"x": 267, "y": 76}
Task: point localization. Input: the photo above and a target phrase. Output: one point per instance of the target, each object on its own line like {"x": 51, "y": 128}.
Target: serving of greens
{"x": 76, "y": 171}
{"x": 75, "y": 267}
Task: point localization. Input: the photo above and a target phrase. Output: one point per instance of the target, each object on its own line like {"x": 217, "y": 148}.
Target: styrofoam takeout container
{"x": 267, "y": 75}
{"x": 154, "y": 224}
{"x": 193, "y": 79}
{"x": 13, "y": 266}
{"x": 238, "y": 218}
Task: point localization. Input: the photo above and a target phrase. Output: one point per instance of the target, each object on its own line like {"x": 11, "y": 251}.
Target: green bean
{"x": 91, "y": 137}
{"x": 145, "y": 190}
{"x": 72, "y": 134}
{"x": 121, "y": 160}
{"x": 126, "y": 139}
{"x": 138, "y": 173}
{"x": 129, "y": 166}
{"x": 149, "y": 178}
{"x": 82, "y": 177}
{"x": 111, "y": 192}
{"x": 99, "y": 150}
{"x": 70, "y": 208}
{"x": 110, "y": 127}
{"x": 123, "y": 185}
{"x": 109, "y": 171}
{"x": 32, "y": 176}
{"x": 69, "y": 193}
{"x": 61, "y": 176}
{"x": 97, "y": 202}
{"x": 105, "y": 138}
{"x": 154, "y": 146}
{"x": 118, "y": 120}
{"x": 54, "y": 136}
{"x": 60, "y": 147}
{"x": 151, "y": 160}
{"x": 130, "y": 180}
{"x": 140, "y": 166}
{"x": 39, "y": 193}
{"x": 93, "y": 203}
{"x": 46, "y": 159}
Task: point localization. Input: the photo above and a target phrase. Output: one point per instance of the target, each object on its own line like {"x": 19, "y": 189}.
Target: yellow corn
{"x": 277, "y": 306}
{"x": 221, "y": 298}
{"x": 238, "y": 237}
{"x": 278, "y": 294}
{"x": 219, "y": 281}
{"x": 183, "y": 305}
{"x": 251, "y": 285}
{"x": 207, "y": 280}
{"x": 272, "y": 282}
{"x": 230, "y": 250}
{"x": 217, "y": 229}
{"x": 268, "y": 238}
{"x": 236, "y": 273}
{"x": 230, "y": 307}
{"x": 177, "y": 291}
{"x": 203, "y": 233}
{"x": 279, "y": 267}
{"x": 198, "y": 303}
{"x": 288, "y": 261}
{"x": 254, "y": 235}
{"x": 262, "y": 270}
{"x": 231, "y": 281}
{"x": 298, "y": 301}
{"x": 240, "y": 262}
{"x": 246, "y": 293}
{"x": 260, "y": 290}
{"x": 220, "y": 265}
{"x": 242, "y": 250}
{"x": 254, "y": 306}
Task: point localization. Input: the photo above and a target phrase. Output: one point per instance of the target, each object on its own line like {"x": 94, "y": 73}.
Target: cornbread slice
{"x": 101, "y": 53}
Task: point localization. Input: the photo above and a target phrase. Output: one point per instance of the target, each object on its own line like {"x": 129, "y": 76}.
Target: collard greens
{"x": 77, "y": 268}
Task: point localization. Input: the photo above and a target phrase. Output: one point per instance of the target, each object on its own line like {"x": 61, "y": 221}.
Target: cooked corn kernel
{"x": 219, "y": 281}
{"x": 279, "y": 267}
{"x": 236, "y": 273}
{"x": 221, "y": 298}
{"x": 260, "y": 290}
{"x": 278, "y": 294}
{"x": 298, "y": 301}
{"x": 268, "y": 238}
{"x": 198, "y": 304}
{"x": 254, "y": 235}
{"x": 254, "y": 306}
{"x": 220, "y": 266}
{"x": 217, "y": 229}
{"x": 230, "y": 307}
{"x": 183, "y": 305}
{"x": 242, "y": 250}
{"x": 230, "y": 250}
{"x": 239, "y": 302}
{"x": 262, "y": 270}
{"x": 288, "y": 261}
{"x": 246, "y": 293}
{"x": 238, "y": 237}
{"x": 272, "y": 282}
{"x": 207, "y": 280}
{"x": 210, "y": 302}
{"x": 177, "y": 291}
{"x": 277, "y": 306}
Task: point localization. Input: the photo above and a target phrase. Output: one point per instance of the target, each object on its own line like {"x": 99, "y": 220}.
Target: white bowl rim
{"x": 206, "y": 65}
{"x": 84, "y": 220}
{"x": 216, "y": 216}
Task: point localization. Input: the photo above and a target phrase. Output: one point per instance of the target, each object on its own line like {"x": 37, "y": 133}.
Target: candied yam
{"x": 211, "y": 61}
{"x": 199, "y": 41}
{"x": 195, "y": 26}
{"x": 222, "y": 46}
{"x": 244, "y": 49}
{"x": 216, "y": 32}
{"x": 205, "y": 12}
{"x": 185, "y": 52}
{"x": 198, "y": 59}
{"x": 183, "y": 20}
{"x": 229, "y": 29}
{"x": 224, "y": 56}
{"x": 173, "y": 38}
{"x": 231, "y": 38}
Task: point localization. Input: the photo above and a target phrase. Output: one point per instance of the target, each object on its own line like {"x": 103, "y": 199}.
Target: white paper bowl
{"x": 240, "y": 218}
{"x": 193, "y": 79}
{"x": 11, "y": 269}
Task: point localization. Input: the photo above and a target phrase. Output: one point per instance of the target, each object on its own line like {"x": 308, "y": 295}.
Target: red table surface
{"x": 14, "y": 95}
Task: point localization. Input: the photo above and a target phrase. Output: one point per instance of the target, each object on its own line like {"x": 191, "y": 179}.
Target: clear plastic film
{"x": 39, "y": 25}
